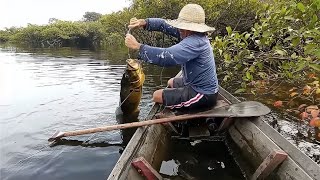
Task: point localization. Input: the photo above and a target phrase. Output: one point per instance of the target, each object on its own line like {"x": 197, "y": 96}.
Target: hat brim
{"x": 190, "y": 26}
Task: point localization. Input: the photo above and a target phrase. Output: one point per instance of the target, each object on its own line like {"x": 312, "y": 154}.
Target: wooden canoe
{"x": 254, "y": 138}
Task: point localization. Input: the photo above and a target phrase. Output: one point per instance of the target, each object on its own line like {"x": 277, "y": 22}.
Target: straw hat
{"x": 191, "y": 17}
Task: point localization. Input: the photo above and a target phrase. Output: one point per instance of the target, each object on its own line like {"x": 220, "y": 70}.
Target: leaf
{"x": 278, "y": 104}
{"x": 266, "y": 34}
{"x": 229, "y": 30}
{"x": 294, "y": 56}
{"x": 248, "y": 75}
{"x": 315, "y": 122}
{"x": 240, "y": 91}
{"x": 309, "y": 48}
{"x": 252, "y": 69}
{"x": 317, "y": 53}
{"x": 315, "y": 83}
{"x": 247, "y": 36}
{"x": 301, "y": 65}
{"x": 314, "y": 113}
{"x": 310, "y": 108}
{"x": 293, "y": 94}
{"x": 318, "y": 91}
{"x": 312, "y": 75}
{"x": 226, "y": 77}
{"x": 227, "y": 57}
{"x": 313, "y": 20}
{"x": 315, "y": 66}
{"x": 292, "y": 89}
{"x": 301, "y": 7}
{"x": 295, "y": 41}
{"x": 306, "y": 89}
{"x": 289, "y": 18}
{"x": 281, "y": 52}
{"x": 302, "y": 106}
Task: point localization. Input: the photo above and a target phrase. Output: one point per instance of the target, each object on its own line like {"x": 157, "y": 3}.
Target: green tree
{"x": 91, "y": 16}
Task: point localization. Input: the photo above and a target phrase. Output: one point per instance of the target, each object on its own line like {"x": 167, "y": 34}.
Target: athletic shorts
{"x": 184, "y": 97}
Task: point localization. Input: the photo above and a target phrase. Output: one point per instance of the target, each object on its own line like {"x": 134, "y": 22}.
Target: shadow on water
{"x": 74, "y": 142}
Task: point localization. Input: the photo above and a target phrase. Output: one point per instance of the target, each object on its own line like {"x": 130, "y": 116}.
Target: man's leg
{"x": 170, "y": 83}
{"x": 175, "y": 82}
{"x": 157, "y": 96}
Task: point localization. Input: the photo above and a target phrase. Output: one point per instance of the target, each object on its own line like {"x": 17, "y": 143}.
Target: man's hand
{"x": 134, "y": 23}
{"x": 131, "y": 42}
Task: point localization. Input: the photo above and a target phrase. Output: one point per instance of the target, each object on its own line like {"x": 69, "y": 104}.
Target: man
{"x": 198, "y": 86}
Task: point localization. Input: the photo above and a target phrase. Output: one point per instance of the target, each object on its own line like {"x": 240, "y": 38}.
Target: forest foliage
{"x": 96, "y": 30}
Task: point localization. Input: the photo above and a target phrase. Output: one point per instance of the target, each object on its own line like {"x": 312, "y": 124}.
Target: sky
{"x": 21, "y": 12}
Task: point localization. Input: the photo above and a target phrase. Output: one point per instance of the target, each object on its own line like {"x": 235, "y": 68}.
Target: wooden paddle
{"x": 243, "y": 109}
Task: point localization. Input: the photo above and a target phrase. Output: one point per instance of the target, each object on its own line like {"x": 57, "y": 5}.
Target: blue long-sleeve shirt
{"x": 194, "y": 53}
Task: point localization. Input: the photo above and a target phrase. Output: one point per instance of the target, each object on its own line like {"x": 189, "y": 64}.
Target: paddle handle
{"x": 128, "y": 125}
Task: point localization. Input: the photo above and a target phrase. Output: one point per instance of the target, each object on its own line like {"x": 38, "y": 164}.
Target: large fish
{"x": 130, "y": 96}
{"x": 131, "y": 87}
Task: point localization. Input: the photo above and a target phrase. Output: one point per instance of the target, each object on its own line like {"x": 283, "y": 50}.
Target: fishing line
{"x": 162, "y": 66}
{"x": 126, "y": 98}
{"x": 128, "y": 32}
{"x": 161, "y": 83}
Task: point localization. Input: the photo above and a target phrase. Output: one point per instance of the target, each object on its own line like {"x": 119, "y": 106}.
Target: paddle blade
{"x": 243, "y": 109}
{"x": 249, "y": 109}
{"x": 56, "y": 136}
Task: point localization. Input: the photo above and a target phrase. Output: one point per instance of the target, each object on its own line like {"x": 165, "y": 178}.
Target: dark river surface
{"x": 63, "y": 90}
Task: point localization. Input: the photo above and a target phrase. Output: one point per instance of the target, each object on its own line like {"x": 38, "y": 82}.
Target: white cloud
{"x": 21, "y": 12}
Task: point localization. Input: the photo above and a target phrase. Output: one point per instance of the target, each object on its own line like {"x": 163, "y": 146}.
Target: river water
{"x": 41, "y": 92}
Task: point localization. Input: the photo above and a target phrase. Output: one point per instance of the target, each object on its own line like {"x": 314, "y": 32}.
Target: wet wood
{"x": 145, "y": 169}
{"x": 199, "y": 131}
{"x": 227, "y": 122}
{"x": 255, "y": 146}
{"x": 270, "y": 163}
{"x": 122, "y": 167}
{"x": 306, "y": 163}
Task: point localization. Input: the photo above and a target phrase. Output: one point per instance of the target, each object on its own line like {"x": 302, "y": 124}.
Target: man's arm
{"x": 158, "y": 24}
{"x": 174, "y": 55}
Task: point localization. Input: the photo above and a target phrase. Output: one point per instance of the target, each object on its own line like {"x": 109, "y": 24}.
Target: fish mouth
{"x": 133, "y": 64}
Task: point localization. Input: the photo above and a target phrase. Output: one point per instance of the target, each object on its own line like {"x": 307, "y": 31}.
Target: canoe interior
{"x": 250, "y": 139}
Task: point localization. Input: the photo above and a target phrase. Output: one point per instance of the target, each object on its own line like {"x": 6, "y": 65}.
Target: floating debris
{"x": 195, "y": 142}
{"x": 222, "y": 165}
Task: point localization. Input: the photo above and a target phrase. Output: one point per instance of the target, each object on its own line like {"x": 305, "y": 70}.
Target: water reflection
{"x": 74, "y": 142}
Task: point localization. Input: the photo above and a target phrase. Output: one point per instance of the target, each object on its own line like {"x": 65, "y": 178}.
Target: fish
{"x": 131, "y": 87}
{"x": 130, "y": 96}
